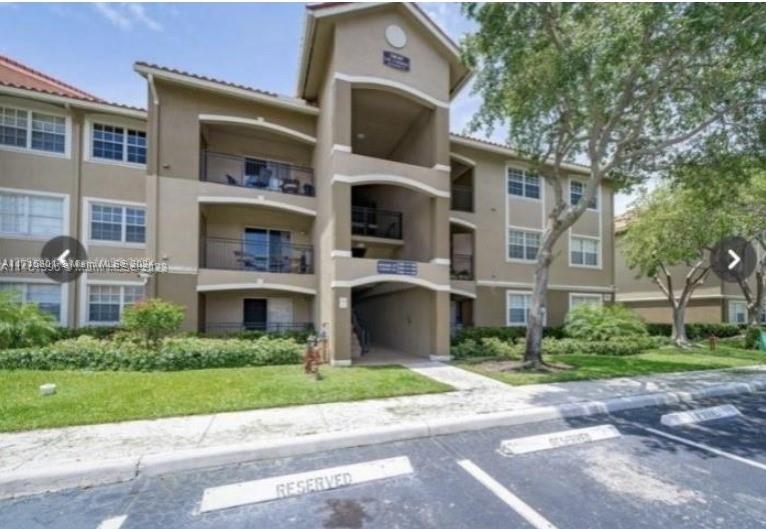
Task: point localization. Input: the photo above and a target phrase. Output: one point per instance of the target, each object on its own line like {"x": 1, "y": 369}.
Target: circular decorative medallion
{"x": 396, "y": 36}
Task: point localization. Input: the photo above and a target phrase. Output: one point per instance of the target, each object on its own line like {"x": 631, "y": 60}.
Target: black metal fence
{"x": 461, "y": 266}
{"x": 373, "y": 222}
{"x": 256, "y": 173}
{"x": 239, "y": 254}
{"x": 462, "y": 198}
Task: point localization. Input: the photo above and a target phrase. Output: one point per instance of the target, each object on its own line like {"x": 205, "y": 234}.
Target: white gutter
{"x": 76, "y": 103}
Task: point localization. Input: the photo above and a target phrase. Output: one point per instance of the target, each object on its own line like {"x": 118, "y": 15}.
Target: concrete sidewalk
{"x": 41, "y": 460}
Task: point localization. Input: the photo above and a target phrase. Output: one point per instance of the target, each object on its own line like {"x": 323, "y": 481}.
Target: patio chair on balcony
{"x": 230, "y": 180}
{"x": 245, "y": 260}
{"x": 290, "y": 185}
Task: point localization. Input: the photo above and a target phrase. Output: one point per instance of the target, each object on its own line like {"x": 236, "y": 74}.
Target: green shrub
{"x": 153, "y": 319}
{"x": 95, "y": 331}
{"x": 696, "y": 331}
{"x": 486, "y": 347}
{"x": 602, "y": 323}
{"x": 509, "y": 334}
{"x": 173, "y": 354}
{"x": 299, "y": 336}
{"x": 753, "y": 337}
{"x": 613, "y": 347}
{"x": 24, "y": 324}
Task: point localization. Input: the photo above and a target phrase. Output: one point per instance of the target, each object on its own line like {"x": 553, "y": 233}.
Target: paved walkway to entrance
{"x": 475, "y": 395}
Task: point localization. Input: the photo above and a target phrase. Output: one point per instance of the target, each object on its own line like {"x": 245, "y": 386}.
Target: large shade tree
{"x": 668, "y": 239}
{"x": 620, "y": 87}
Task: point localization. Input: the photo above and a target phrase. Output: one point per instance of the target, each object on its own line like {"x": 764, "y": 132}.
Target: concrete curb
{"x": 25, "y": 483}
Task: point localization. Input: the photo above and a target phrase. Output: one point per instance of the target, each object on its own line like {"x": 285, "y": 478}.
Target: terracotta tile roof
{"x": 13, "y": 73}
{"x": 218, "y": 81}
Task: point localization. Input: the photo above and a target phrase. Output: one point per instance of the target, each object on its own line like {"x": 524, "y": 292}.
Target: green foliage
{"x": 173, "y": 354}
{"x": 23, "y": 324}
{"x": 753, "y": 337}
{"x": 486, "y": 347}
{"x": 602, "y": 323}
{"x": 96, "y": 331}
{"x": 696, "y": 331}
{"x": 622, "y": 346}
{"x": 509, "y": 334}
{"x": 299, "y": 336}
{"x": 153, "y": 319}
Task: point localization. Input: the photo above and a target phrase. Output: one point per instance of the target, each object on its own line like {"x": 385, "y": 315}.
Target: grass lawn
{"x": 587, "y": 367}
{"x": 85, "y": 397}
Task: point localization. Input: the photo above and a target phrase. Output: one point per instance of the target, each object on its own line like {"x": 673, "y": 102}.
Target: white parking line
{"x": 281, "y": 487}
{"x": 510, "y": 499}
{"x": 707, "y": 448}
{"x": 113, "y": 523}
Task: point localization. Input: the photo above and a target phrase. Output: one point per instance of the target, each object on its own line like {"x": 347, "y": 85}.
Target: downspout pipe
{"x": 155, "y": 124}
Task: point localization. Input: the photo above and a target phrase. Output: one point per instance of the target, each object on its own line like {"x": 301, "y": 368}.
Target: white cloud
{"x": 127, "y": 16}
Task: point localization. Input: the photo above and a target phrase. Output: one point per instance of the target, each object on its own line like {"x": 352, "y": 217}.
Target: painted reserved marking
{"x": 534, "y": 518}
{"x": 680, "y": 418}
{"x": 707, "y": 448}
{"x": 112, "y": 523}
{"x": 535, "y": 443}
{"x": 281, "y": 487}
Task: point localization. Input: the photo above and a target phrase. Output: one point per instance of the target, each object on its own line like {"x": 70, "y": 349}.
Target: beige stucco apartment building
{"x": 349, "y": 208}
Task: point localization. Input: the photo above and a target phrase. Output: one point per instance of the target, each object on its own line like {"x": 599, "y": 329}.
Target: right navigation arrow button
{"x": 735, "y": 259}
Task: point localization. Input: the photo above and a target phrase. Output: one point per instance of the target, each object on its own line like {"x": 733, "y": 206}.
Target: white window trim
{"x": 65, "y": 208}
{"x": 64, "y": 297}
{"x": 599, "y": 256}
{"x": 28, "y": 149}
{"x": 509, "y": 259}
{"x": 732, "y": 312}
{"x": 508, "y": 323}
{"x": 599, "y": 200}
{"x": 114, "y": 122}
{"x": 85, "y": 300}
{"x": 540, "y": 179}
{"x": 89, "y": 201}
{"x": 573, "y": 295}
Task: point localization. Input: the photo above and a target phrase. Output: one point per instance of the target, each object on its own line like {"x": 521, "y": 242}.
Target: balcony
{"x": 461, "y": 267}
{"x": 462, "y": 198}
{"x": 256, "y": 173}
{"x": 373, "y": 222}
{"x": 240, "y": 254}
{"x": 222, "y": 328}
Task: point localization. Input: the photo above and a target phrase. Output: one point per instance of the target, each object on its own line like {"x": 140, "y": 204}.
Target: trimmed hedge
{"x": 497, "y": 348}
{"x": 174, "y": 354}
{"x": 298, "y": 336}
{"x": 753, "y": 337}
{"x": 512, "y": 334}
{"x": 487, "y": 347}
{"x": 696, "y": 331}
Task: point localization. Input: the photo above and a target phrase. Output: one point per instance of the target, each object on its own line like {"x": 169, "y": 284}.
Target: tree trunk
{"x": 533, "y": 354}
{"x": 679, "y": 337}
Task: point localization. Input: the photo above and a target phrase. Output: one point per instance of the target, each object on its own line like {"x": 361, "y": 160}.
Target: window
{"x": 518, "y": 304}
{"x": 31, "y": 215}
{"x": 110, "y": 142}
{"x": 523, "y": 184}
{"x": 32, "y": 130}
{"x": 523, "y": 244}
{"x": 117, "y": 223}
{"x": 107, "y": 302}
{"x": 585, "y": 299}
{"x": 576, "y": 191}
{"x": 45, "y": 296}
{"x": 584, "y": 251}
{"x": 737, "y": 312}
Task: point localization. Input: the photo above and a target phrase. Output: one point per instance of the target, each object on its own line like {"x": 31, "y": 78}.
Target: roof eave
{"x": 74, "y": 102}
{"x": 187, "y": 80}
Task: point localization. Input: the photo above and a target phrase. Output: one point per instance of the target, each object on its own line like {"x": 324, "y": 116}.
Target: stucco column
{"x": 440, "y": 234}
{"x": 441, "y": 137}
{"x": 340, "y": 333}
{"x": 440, "y": 338}
{"x": 341, "y": 212}
{"x": 342, "y": 113}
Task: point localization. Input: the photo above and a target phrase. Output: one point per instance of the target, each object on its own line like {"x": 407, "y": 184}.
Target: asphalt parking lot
{"x": 710, "y": 474}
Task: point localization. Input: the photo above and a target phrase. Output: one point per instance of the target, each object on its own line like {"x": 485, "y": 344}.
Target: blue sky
{"x": 93, "y": 46}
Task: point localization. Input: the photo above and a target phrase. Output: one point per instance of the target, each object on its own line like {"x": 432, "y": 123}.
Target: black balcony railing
{"x": 239, "y": 254}
{"x": 268, "y": 327}
{"x": 461, "y": 266}
{"x": 373, "y": 222}
{"x": 256, "y": 173}
{"x": 462, "y": 198}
